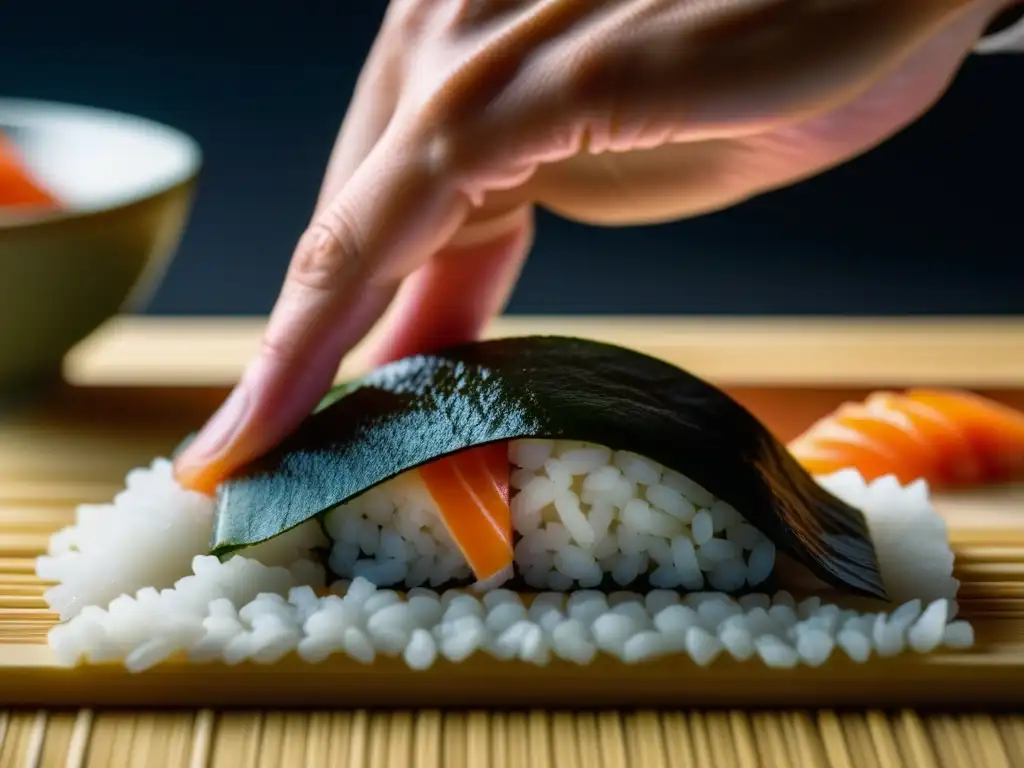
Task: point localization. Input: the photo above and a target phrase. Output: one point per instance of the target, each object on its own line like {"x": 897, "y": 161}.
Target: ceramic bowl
{"x": 126, "y": 185}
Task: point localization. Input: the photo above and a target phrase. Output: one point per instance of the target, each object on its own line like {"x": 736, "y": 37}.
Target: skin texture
{"x": 469, "y": 113}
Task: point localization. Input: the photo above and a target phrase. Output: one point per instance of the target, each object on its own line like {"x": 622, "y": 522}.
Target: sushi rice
{"x": 134, "y": 585}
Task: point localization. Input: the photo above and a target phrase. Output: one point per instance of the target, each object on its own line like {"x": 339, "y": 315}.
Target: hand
{"x": 468, "y": 113}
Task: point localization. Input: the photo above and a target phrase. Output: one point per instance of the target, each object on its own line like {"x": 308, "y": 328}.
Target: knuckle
{"x": 327, "y": 255}
{"x": 589, "y": 77}
{"x": 278, "y": 348}
{"x": 405, "y": 18}
{"x": 476, "y": 14}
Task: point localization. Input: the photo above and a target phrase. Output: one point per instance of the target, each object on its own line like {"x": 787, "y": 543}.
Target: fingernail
{"x": 221, "y": 430}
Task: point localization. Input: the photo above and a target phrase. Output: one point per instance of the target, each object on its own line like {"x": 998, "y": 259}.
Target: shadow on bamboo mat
{"x": 536, "y": 739}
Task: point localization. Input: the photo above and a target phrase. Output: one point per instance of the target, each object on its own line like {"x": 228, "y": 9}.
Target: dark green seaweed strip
{"x": 422, "y": 408}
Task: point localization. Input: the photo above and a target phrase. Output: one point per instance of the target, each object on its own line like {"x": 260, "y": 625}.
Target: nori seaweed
{"x": 426, "y": 407}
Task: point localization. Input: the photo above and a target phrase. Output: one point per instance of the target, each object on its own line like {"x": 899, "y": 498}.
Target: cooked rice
{"x": 160, "y": 596}
{"x": 581, "y": 513}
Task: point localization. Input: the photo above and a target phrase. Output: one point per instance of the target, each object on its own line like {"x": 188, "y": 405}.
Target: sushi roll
{"x": 417, "y": 510}
{"x": 607, "y": 425}
{"x": 582, "y": 516}
{"x": 951, "y": 438}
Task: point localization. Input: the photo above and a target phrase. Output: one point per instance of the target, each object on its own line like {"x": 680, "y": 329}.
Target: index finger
{"x": 396, "y": 210}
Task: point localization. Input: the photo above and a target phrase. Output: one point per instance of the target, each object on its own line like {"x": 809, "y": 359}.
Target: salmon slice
{"x": 17, "y": 187}
{"x": 948, "y": 437}
{"x": 956, "y": 463}
{"x": 994, "y": 432}
{"x": 471, "y": 491}
{"x": 876, "y": 440}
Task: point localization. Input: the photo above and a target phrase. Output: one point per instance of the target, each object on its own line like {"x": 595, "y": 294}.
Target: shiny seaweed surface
{"x": 425, "y": 407}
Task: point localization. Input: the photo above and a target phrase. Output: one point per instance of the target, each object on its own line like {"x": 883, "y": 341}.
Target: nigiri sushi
{"x": 951, "y": 438}
{"x": 411, "y": 512}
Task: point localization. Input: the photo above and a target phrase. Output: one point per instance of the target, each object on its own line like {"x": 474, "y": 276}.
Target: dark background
{"x": 929, "y": 223}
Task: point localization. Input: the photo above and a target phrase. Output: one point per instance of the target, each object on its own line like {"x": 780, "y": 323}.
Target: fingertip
{"x": 271, "y": 400}
{"x": 208, "y": 458}
{"x": 197, "y": 477}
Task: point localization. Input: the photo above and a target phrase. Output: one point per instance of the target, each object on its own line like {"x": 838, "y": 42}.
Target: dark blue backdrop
{"x": 929, "y": 223}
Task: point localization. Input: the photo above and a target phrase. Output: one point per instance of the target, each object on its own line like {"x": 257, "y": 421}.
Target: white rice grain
{"x": 856, "y": 645}
{"x": 959, "y": 635}
{"x": 583, "y": 461}
{"x": 421, "y": 652}
{"x": 775, "y": 653}
{"x": 530, "y": 454}
{"x": 760, "y": 563}
{"x": 688, "y": 488}
{"x": 702, "y": 646}
{"x": 571, "y": 641}
{"x": 534, "y": 647}
{"x": 702, "y": 527}
{"x": 671, "y": 502}
{"x": 567, "y": 504}
{"x": 638, "y": 469}
{"x": 927, "y": 633}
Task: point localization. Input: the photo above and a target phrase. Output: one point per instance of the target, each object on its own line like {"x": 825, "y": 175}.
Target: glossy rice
{"x": 134, "y": 584}
{"x": 583, "y": 515}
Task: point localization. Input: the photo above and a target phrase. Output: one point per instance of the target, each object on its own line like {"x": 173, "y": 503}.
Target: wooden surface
{"x": 77, "y": 445}
{"x": 748, "y": 351}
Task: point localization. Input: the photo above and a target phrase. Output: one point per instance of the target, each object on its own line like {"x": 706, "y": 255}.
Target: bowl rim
{"x": 190, "y": 171}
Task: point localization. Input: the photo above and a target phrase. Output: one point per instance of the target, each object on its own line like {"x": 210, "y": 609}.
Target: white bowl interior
{"x": 93, "y": 159}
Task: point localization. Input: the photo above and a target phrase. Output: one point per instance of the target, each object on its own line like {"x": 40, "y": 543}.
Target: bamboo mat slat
{"x": 207, "y": 738}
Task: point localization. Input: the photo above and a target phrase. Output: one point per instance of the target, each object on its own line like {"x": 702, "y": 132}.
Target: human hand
{"x": 469, "y": 113}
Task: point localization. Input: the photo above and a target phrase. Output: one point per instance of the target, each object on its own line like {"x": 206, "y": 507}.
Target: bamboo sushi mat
{"x": 434, "y": 739}
{"x": 78, "y": 448}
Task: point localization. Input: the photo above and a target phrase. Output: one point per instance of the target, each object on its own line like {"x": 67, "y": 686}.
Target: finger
{"x": 452, "y": 298}
{"x": 396, "y": 211}
{"x": 369, "y": 113}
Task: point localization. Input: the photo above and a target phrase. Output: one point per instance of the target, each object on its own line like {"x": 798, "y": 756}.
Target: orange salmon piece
{"x": 471, "y": 491}
{"x": 994, "y": 432}
{"x": 876, "y": 440}
{"x": 956, "y": 463}
{"x": 17, "y": 187}
{"x": 947, "y": 437}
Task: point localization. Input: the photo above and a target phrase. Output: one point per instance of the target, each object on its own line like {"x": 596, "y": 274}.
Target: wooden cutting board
{"x": 142, "y": 384}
